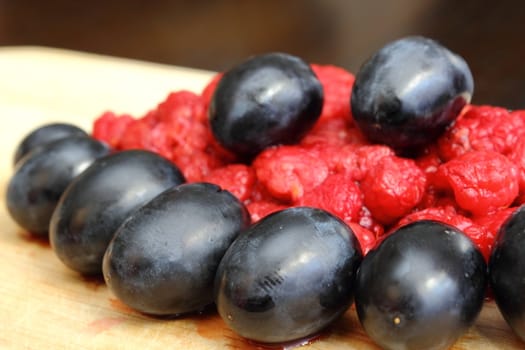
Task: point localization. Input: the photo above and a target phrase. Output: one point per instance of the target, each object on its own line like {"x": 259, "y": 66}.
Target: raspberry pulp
{"x": 472, "y": 177}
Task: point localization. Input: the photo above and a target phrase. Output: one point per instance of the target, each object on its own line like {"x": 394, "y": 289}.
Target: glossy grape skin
{"x": 96, "y": 203}
{"x": 507, "y": 271}
{"x": 407, "y": 93}
{"x": 288, "y": 276}
{"x": 267, "y": 100}
{"x": 163, "y": 259}
{"x": 42, "y": 176}
{"x": 421, "y": 288}
{"x": 44, "y": 135}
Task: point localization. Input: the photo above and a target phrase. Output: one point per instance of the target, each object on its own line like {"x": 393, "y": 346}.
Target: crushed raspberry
{"x": 178, "y": 107}
{"x": 368, "y": 157}
{"x": 339, "y": 195}
{"x": 287, "y": 172}
{"x": 209, "y": 90}
{"x": 367, "y": 221}
{"x": 351, "y": 159}
{"x": 517, "y": 156}
{"x": 392, "y": 188}
{"x": 140, "y": 134}
{"x": 472, "y": 177}
{"x": 262, "y": 208}
{"x": 334, "y": 131}
{"x": 367, "y": 240}
{"x": 444, "y": 214}
{"x": 239, "y": 179}
{"x": 482, "y": 182}
{"x": 429, "y": 162}
{"x": 493, "y": 222}
{"x": 109, "y": 128}
{"x": 337, "y": 158}
{"x": 175, "y": 130}
{"x": 436, "y": 198}
{"x": 482, "y": 128}
{"x": 197, "y": 165}
{"x": 482, "y": 238}
{"x": 337, "y": 87}
{"x": 260, "y": 193}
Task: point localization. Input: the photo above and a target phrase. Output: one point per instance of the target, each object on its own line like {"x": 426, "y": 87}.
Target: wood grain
{"x": 43, "y": 305}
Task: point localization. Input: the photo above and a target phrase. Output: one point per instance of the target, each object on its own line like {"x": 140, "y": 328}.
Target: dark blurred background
{"x": 217, "y": 34}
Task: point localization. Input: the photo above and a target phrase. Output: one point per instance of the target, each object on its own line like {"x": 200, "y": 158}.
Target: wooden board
{"x": 43, "y": 305}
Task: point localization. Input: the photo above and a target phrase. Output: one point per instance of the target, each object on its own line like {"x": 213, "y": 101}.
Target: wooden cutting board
{"x": 43, "y": 305}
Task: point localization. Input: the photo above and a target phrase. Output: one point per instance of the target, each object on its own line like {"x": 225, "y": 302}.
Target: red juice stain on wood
{"x": 121, "y": 307}
{"x": 211, "y": 326}
{"x": 103, "y": 324}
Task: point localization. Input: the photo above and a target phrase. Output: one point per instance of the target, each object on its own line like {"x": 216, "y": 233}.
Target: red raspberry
{"x": 171, "y": 128}
{"x": 215, "y": 149}
{"x": 517, "y": 156}
{"x": 109, "y": 128}
{"x": 262, "y": 208}
{"x": 493, "y": 222}
{"x": 351, "y": 159}
{"x": 445, "y": 214}
{"x": 196, "y": 165}
{"x": 367, "y": 221}
{"x": 209, "y": 90}
{"x": 436, "y": 198}
{"x": 239, "y": 179}
{"x": 176, "y": 130}
{"x": 482, "y": 128}
{"x": 370, "y": 156}
{"x": 482, "y": 181}
{"x": 139, "y": 134}
{"x": 337, "y": 87}
{"x": 259, "y": 192}
{"x": 330, "y": 153}
{"x": 481, "y": 237}
{"x": 429, "y": 162}
{"x": 366, "y": 238}
{"x": 392, "y": 188}
{"x": 179, "y": 115}
{"x": 334, "y": 131}
{"x": 339, "y": 195}
{"x": 180, "y": 105}
{"x": 513, "y": 131}
{"x": 287, "y": 172}
{"x": 437, "y": 193}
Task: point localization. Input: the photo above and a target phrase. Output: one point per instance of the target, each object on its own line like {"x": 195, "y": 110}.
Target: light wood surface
{"x": 43, "y": 305}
